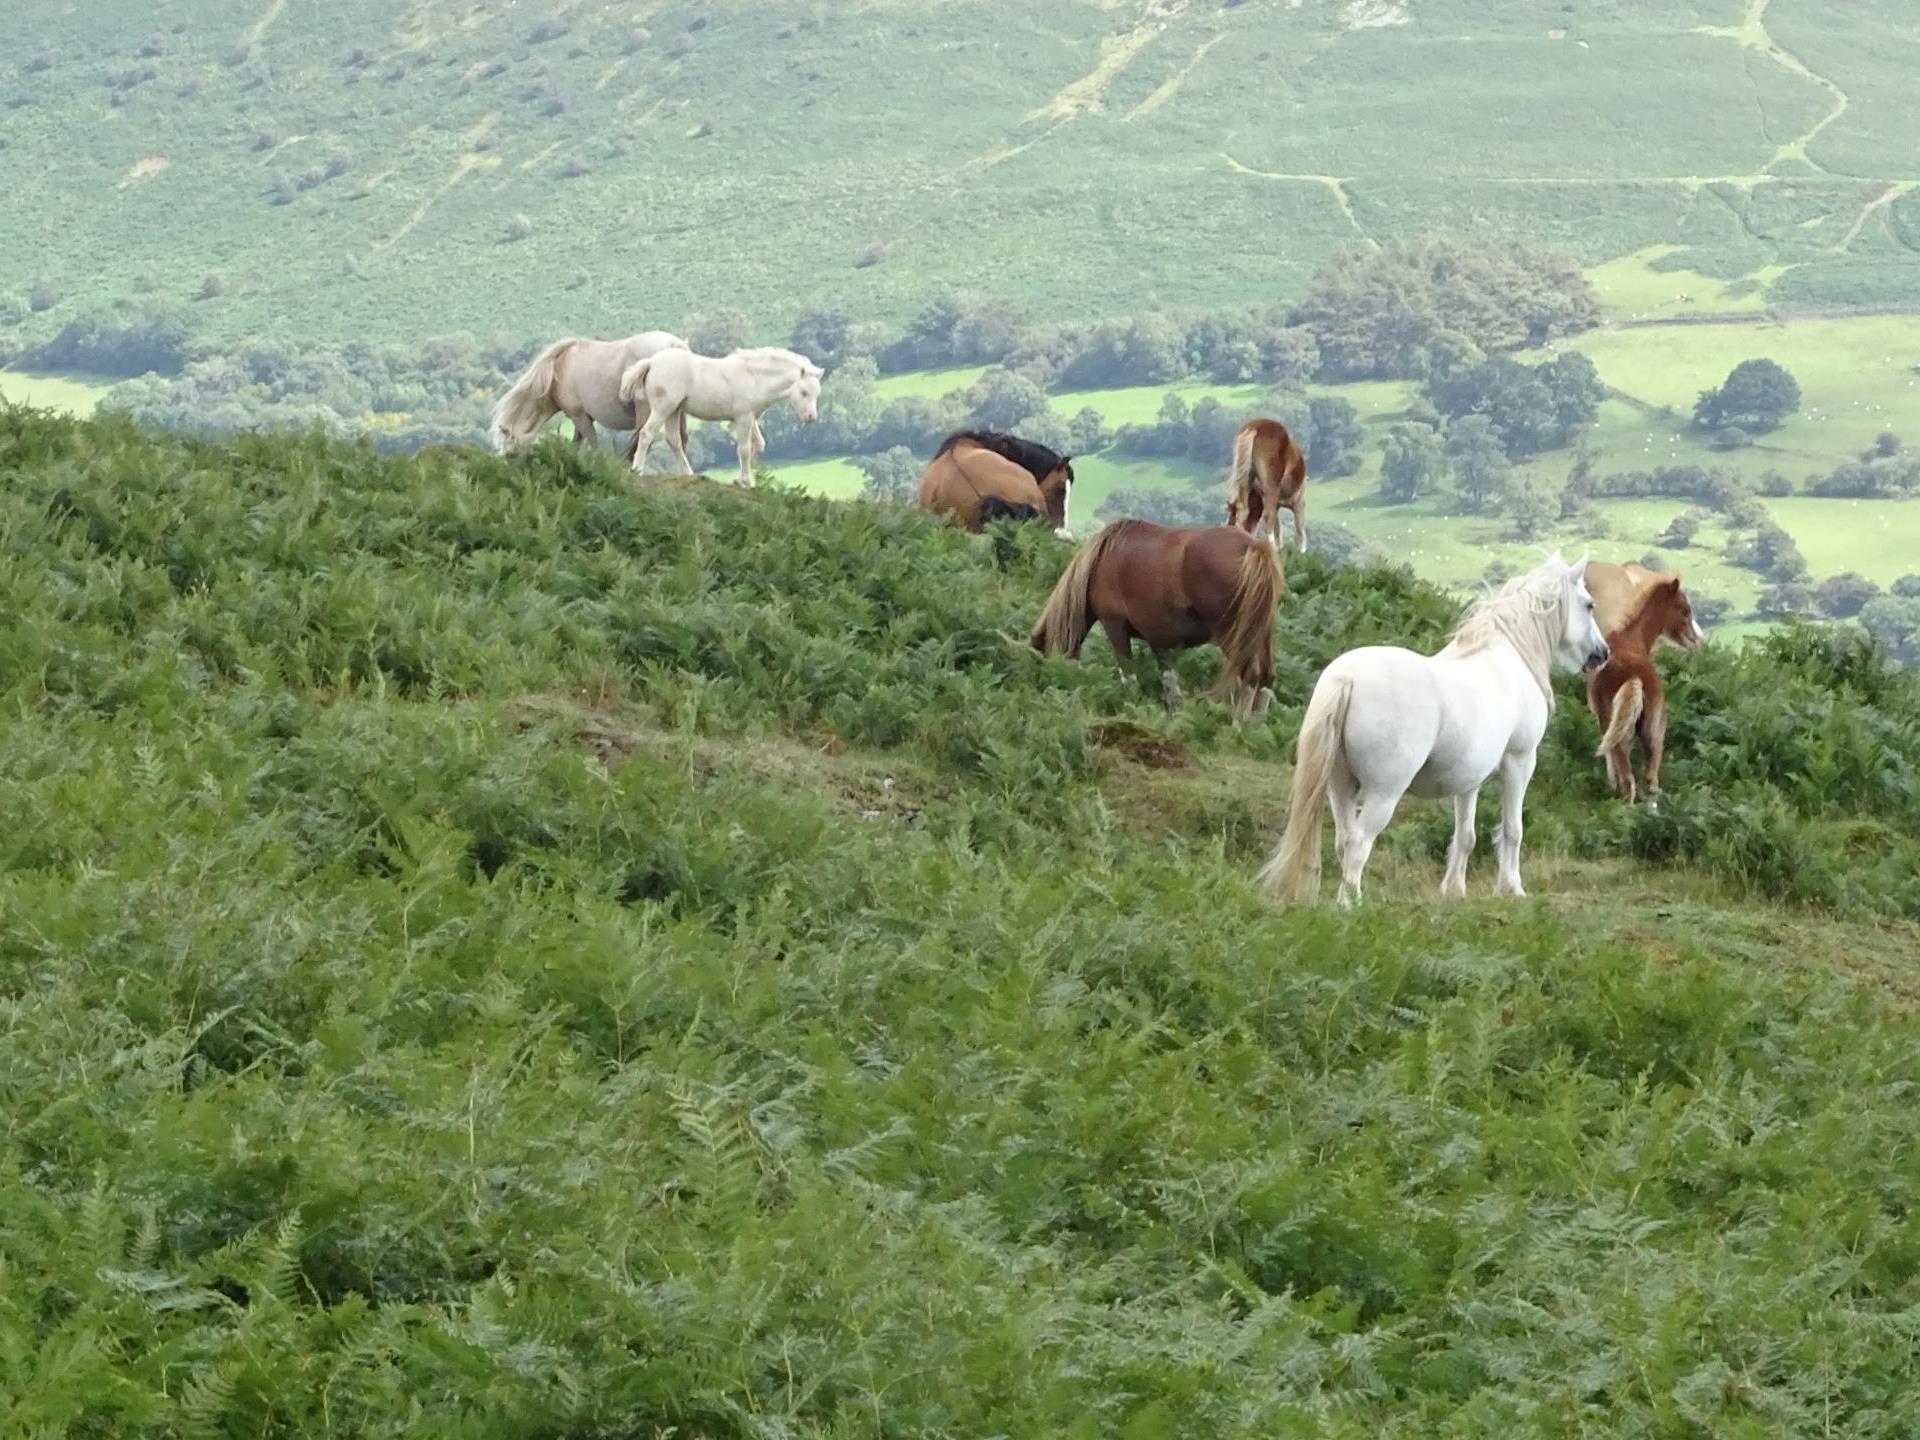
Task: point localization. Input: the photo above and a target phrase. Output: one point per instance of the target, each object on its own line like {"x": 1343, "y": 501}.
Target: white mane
{"x": 770, "y": 357}
{"x": 1528, "y": 613}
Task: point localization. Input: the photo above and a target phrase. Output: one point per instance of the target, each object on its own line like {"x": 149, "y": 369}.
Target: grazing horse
{"x": 981, "y": 475}
{"x": 1174, "y": 589}
{"x": 1268, "y": 475}
{"x": 741, "y": 388}
{"x": 1626, "y": 694}
{"x": 581, "y": 380}
{"x": 1384, "y": 721}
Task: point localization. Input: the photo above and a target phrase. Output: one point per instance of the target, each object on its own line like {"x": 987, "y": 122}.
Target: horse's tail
{"x": 1292, "y": 876}
{"x": 1246, "y": 638}
{"x": 1240, "y": 473}
{"x": 529, "y": 404}
{"x": 633, "y": 382}
{"x": 1627, "y": 705}
{"x": 1063, "y": 624}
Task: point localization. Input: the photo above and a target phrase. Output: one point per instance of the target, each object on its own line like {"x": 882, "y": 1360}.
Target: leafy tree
{"x": 1479, "y": 462}
{"x": 1775, "y": 484}
{"x": 1841, "y": 597}
{"x": 1333, "y": 443}
{"x": 1001, "y": 400}
{"x": 826, "y": 336}
{"x": 720, "y": 333}
{"x": 1086, "y": 432}
{"x": 1789, "y": 597}
{"x": 1395, "y": 312}
{"x": 1532, "y": 505}
{"x": 1681, "y": 529}
{"x": 1532, "y": 407}
{"x": 1893, "y": 621}
{"x": 893, "y": 474}
{"x": 1757, "y": 395}
{"x": 1414, "y": 463}
{"x": 1907, "y": 587}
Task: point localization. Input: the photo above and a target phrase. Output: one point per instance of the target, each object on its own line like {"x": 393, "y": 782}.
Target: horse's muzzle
{"x": 1597, "y": 657}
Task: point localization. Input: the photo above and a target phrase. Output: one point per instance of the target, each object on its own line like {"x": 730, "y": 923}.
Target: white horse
{"x": 740, "y": 388}
{"x": 1384, "y": 721}
{"x": 581, "y": 380}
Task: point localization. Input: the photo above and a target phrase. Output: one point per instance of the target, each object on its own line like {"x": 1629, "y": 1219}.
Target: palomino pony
{"x": 981, "y": 475}
{"x": 1173, "y": 589}
{"x": 1384, "y": 721}
{"x": 1626, "y": 694}
{"x": 581, "y": 380}
{"x": 1268, "y": 475}
{"x": 741, "y": 388}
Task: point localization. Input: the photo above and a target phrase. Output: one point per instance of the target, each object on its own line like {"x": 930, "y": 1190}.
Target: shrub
{"x": 518, "y": 227}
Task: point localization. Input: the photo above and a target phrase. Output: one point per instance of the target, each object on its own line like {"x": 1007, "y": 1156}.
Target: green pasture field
{"x": 69, "y": 394}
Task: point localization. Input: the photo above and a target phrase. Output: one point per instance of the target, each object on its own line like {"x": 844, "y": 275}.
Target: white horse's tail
{"x": 633, "y": 383}
{"x": 1627, "y": 705}
{"x": 529, "y": 404}
{"x": 1292, "y": 876}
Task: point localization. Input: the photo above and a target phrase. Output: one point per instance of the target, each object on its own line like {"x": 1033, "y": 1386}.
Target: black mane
{"x": 1030, "y": 455}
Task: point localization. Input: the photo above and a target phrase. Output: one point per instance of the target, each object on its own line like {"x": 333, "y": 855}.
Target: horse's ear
{"x": 1670, "y": 581}
{"x": 1579, "y": 566}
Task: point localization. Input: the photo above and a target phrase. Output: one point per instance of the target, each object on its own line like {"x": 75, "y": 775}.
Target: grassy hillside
{"x": 486, "y": 951}
{"x": 367, "y": 170}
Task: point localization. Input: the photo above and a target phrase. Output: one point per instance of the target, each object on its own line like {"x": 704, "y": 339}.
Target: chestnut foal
{"x": 1626, "y": 694}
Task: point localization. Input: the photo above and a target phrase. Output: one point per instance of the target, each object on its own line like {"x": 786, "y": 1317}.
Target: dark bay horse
{"x": 1626, "y": 694}
{"x": 1174, "y": 589}
{"x": 1268, "y": 475}
{"x": 982, "y": 475}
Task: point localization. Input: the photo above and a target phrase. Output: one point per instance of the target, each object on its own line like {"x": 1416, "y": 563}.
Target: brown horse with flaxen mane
{"x": 981, "y": 475}
{"x": 1268, "y": 475}
{"x": 1626, "y": 694}
{"x": 1174, "y": 589}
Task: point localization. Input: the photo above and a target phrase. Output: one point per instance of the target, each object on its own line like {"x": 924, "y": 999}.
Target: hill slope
{"x": 352, "y": 170}
{"x": 485, "y": 952}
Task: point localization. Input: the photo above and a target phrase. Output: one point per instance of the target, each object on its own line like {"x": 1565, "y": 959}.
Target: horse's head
{"x": 1056, "y": 489}
{"x": 1582, "y": 646}
{"x": 1674, "y": 611}
{"x": 804, "y": 394}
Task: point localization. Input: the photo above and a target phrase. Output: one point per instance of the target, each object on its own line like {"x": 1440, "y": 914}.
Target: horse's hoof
{"x": 1063, "y": 533}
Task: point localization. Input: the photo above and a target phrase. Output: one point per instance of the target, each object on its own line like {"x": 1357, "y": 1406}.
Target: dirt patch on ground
{"x": 1374, "y": 14}
{"x": 144, "y": 170}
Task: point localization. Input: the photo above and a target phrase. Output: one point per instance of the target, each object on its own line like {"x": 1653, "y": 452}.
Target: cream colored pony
{"x": 741, "y": 387}
{"x": 581, "y": 380}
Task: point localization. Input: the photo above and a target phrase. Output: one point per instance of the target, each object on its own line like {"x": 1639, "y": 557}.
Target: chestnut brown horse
{"x": 1268, "y": 475}
{"x": 982, "y": 475}
{"x": 1626, "y": 694}
{"x": 1174, "y": 589}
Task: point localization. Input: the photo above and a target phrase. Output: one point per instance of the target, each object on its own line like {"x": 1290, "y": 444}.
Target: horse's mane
{"x": 1525, "y": 612}
{"x": 1030, "y": 455}
{"x": 762, "y": 353}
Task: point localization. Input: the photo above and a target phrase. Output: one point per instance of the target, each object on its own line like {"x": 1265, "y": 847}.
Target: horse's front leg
{"x": 584, "y": 435}
{"x": 1453, "y": 885}
{"x": 1515, "y": 772}
{"x": 1300, "y": 523}
{"x": 744, "y": 431}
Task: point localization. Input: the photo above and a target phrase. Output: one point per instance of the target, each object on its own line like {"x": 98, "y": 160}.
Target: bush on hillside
{"x": 1532, "y": 408}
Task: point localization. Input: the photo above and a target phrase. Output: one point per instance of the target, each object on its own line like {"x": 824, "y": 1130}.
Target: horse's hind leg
{"x": 1300, "y": 522}
{"x": 676, "y": 440}
{"x": 1370, "y": 818}
{"x": 1170, "y": 692}
{"x": 1653, "y": 734}
{"x": 1515, "y": 772}
{"x": 644, "y": 440}
{"x": 584, "y": 435}
{"x": 1453, "y": 885}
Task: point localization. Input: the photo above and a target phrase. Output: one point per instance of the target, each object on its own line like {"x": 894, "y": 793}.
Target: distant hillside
{"x": 372, "y": 169}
